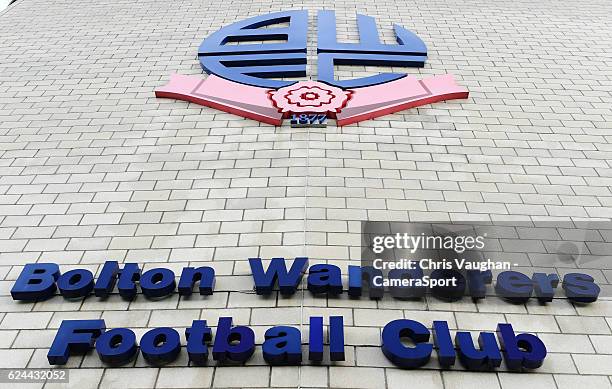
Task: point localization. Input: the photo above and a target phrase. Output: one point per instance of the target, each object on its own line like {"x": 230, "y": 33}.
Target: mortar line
{"x": 304, "y": 249}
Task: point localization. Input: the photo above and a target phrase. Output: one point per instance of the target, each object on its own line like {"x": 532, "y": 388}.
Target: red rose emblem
{"x": 309, "y": 97}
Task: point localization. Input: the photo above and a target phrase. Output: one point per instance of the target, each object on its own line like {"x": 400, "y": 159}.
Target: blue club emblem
{"x": 227, "y": 53}
{"x": 250, "y": 72}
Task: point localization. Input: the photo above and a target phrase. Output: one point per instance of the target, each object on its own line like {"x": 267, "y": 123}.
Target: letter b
{"x": 36, "y": 282}
{"x": 234, "y": 343}
{"x": 523, "y": 350}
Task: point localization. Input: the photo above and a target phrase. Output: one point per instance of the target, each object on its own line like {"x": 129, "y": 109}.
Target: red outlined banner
{"x": 346, "y": 106}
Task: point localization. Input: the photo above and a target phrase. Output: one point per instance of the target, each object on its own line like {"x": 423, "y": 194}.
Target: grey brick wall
{"x": 93, "y": 167}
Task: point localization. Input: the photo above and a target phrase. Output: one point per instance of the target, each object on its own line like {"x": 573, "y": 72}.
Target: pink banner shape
{"x": 215, "y": 92}
{"x": 363, "y": 103}
{"x": 407, "y": 92}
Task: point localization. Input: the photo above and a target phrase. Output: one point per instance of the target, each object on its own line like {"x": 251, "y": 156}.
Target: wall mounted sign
{"x": 282, "y": 344}
{"x": 39, "y": 281}
{"x": 244, "y": 77}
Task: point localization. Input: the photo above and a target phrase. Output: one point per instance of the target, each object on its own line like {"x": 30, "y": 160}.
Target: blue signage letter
{"x": 544, "y": 285}
{"x": 108, "y": 277}
{"x": 76, "y": 283}
{"x": 198, "y": 337}
{"x": 580, "y": 288}
{"x": 36, "y": 282}
{"x": 283, "y": 346}
{"x": 324, "y": 278}
{"x": 523, "y": 350}
{"x": 158, "y": 282}
{"x": 160, "y": 345}
{"x": 117, "y": 346}
{"x": 487, "y": 357}
{"x": 74, "y": 336}
{"x": 514, "y": 286}
{"x": 444, "y": 343}
{"x": 315, "y": 339}
{"x": 336, "y": 338}
{"x": 234, "y": 343}
{"x": 477, "y": 282}
{"x": 287, "y": 281}
{"x": 189, "y": 276}
{"x": 400, "y": 355}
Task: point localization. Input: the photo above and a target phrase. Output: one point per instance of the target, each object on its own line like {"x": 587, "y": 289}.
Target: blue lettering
{"x": 325, "y": 279}
{"x": 514, "y": 286}
{"x": 127, "y": 280}
{"x": 403, "y": 356}
{"x": 283, "y": 346}
{"x": 117, "y": 346}
{"x": 233, "y": 343}
{"x": 36, "y": 282}
{"x": 205, "y": 275}
{"x": 336, "y": 338}
{"x": 580, "y": 288}
{"x": 544, "y": 286}
{"x": 444, "y": 343}
{"x": 365, "y": 275}
{"x": 106, "y": 280}
{"x": 407, "y": 292}
{"x": 157, "y": 283}
{"x": 74, "y": 336}
{"x": 448, "y": 292}
{"x": 160, "y": 345}
{"x": 486, "y": 358}
{"x": 521, "y": 351}
{"x": 277, "y": 271}
{"x": 315, "y": 341}
{"x": 477, "y": 283}
{"x": 76, "y": 283}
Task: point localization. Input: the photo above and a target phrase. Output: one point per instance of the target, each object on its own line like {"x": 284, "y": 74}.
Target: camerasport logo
{"x": 249, "y": 78}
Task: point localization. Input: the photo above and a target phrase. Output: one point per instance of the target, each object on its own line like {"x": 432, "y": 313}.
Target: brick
{"x": 240, "y": 377}
{"x": 342, "y": 377}
{"x": 93, "y": 167}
